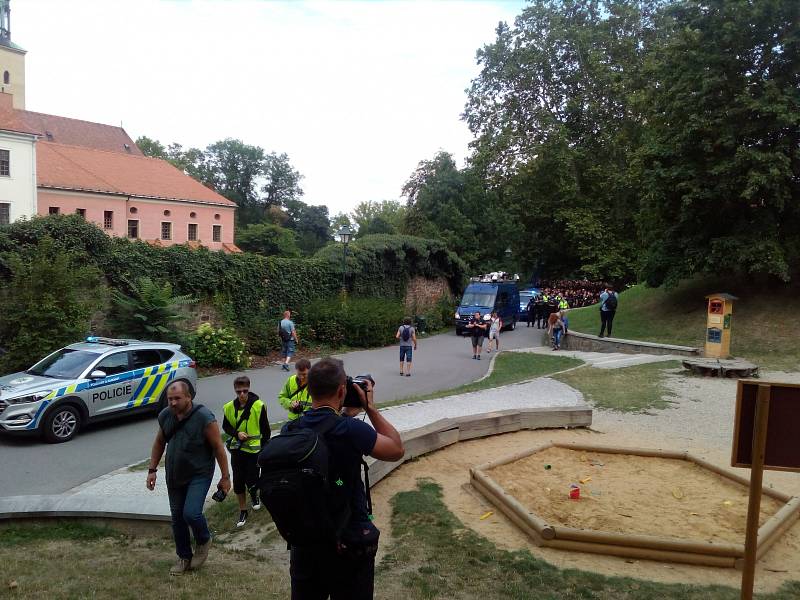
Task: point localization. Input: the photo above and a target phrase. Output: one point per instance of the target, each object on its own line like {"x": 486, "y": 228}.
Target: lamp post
{"x": 344, "y": 236}
{"x": 508, "y": 259}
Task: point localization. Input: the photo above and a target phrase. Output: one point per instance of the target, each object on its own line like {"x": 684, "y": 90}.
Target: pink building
{"x": 97, "y": 171}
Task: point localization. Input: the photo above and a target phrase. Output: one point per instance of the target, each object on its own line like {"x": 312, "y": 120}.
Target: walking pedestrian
{"x": 531, "y": 310}
{"x": 247, "y": 428}
{"x": 495, "y": 325}
{"x": 288, "y": 335}
{"x": 608, "y": 308}
{"x": 555, "y": 327}
{"x": 191, "y": 436}
{"x": 477, "y": 328}
{"x": 407, "y": 334}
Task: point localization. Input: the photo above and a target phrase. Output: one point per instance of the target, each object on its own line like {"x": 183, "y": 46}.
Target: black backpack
{"x": 611, "y": 302}
{"x": 406, "y": 335}
{"x": 309, "y": 503}
{"x": 284, "y": 335}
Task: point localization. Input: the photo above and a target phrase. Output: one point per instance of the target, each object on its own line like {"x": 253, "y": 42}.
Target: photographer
{"x": 294, "y": 395}
{"x": 247, "y": 429}
{"x": 191, "y": 436}
{"x": 346, "y": 568}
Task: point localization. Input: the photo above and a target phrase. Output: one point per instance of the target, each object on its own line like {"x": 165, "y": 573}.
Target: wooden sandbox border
{"x": 647, "y": 547}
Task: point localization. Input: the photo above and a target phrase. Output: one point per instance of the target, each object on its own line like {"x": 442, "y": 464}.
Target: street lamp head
{"x": 508, "y": 252}
{"x": 345, "y": 234}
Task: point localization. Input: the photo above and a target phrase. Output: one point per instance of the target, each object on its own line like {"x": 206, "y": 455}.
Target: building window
{"x": 166, "y": 230}
{"x": 192, "y": 215}
{"x": 133, "y": 229}
{"x": 5, "y": 163}
{"x": 6, "y": 77}
{"x": 216, "y": 216}
{"x": 5, "y": 213}
{"x": 192, "y": 232}
{"x": 53, "y": 210}
{"x": 134, "y": 210}
{"x": 81, "y": 212}
{"x": 108, "y": 219}
{"x": 216, "y": 233}
{"x": 166, "y": 213}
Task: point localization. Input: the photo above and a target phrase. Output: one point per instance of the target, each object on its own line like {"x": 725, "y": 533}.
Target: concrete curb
{"x": 592, "y": 343}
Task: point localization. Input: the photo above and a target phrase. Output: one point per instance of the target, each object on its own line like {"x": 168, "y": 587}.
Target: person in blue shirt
{"x": 608, "y": 308}
{"x": 345, "y": 569}
{"x": 288, "y": 335}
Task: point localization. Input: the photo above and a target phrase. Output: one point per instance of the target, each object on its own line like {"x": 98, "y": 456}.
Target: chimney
{"x": 6, "y": 101}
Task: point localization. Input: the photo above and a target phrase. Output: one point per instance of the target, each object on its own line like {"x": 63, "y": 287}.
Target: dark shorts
{"x": 245, "y": 471}
{"x": 288, "y": 348}
{"x": 405, "y": 353}
{"x": 477, "y": 340}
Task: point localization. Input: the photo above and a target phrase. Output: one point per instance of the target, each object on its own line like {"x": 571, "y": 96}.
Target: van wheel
{"x": 62, "y": 424}
{"x": 513, "y": 324}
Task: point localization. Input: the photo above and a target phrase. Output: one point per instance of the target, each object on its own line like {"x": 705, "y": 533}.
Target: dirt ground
{"x": 450, "y": 468}
{"x": 630, "y": 494}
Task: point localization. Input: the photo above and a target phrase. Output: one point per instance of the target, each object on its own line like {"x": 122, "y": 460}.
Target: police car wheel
{"x": 62, "y": 424}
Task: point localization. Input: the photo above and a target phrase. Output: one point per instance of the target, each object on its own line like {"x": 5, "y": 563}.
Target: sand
{"x": 450, "y": 468}
{"x": 631, "y": 494}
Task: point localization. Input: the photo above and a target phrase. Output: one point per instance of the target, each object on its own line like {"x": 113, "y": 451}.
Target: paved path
{"x": 30, "y": 466}
{"x": 124, "y": 491}
{"x": 607, "y": 360}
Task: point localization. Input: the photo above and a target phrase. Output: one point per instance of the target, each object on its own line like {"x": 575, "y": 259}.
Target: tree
{"x": 386, "y": 216}
{"x": 283, "y": 180}
{"x": 47, "y": 303}
{"x": 149, "y": 312}
{"x": 150, "y": 147}
{"x": 720, "y": 164}
{"x": 310, "y": 223}
{"x": 267, "y": 239}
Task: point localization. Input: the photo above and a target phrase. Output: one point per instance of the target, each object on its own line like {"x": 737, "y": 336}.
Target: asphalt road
{"x": 30, "y": 466}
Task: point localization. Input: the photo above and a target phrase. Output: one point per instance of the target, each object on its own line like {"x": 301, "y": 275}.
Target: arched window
{"x": 6, "y": 77}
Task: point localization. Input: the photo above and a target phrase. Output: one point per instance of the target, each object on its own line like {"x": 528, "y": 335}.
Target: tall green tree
{"x": 282, "y": 180}
{"x": 720, "y": 165}
{"x": 311, "y": 224}
{"x": 267, "y": 239}
{"x": 385, "y": 216}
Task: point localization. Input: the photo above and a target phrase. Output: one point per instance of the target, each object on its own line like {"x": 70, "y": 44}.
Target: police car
{"x": 90, "y": 381}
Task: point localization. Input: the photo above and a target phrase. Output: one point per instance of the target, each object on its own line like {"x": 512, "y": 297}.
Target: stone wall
{"x": 423, "y": 293}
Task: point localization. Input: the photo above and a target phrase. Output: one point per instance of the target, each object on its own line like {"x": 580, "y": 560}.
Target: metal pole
{"x": 756, "y": 479}
{"x": 344, "y": 268}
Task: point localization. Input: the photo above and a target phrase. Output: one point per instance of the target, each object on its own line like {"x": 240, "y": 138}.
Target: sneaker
{"x": 242, "y": 518}
{"x": 180, "y": 567}
{"x": 478, "y": 357}
{"x": 285, "y": 367}
{"x": 255, "y": 500}
{"x": 201, "y": 554}
{"x": 408, "y": 374}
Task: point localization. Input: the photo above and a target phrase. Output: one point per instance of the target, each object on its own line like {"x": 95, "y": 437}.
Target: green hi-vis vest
{"x": 251, "y": 426}
{"x": 291, "y": 392}
{"x": 563, "y": 305}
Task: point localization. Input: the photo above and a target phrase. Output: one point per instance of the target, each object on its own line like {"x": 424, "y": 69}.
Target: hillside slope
{"x": 765, "y": 326}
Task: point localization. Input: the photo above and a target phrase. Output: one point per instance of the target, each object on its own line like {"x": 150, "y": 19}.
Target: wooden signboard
{"x": 782, "y": 452}
{"x": 765, "y": 435}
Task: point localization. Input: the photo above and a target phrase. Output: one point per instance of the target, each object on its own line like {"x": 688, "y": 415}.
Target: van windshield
{"x": 478, "y": 298}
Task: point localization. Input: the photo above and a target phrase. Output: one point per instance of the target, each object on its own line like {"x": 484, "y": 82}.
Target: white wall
{"x": 19, "y": 188}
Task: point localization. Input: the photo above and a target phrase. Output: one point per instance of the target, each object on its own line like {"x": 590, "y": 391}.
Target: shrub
{"x": 47, "y": 303}
{"x": 150, "y": 312}
{"x": 218, "y": 348}
{"x": 359, "y": 322}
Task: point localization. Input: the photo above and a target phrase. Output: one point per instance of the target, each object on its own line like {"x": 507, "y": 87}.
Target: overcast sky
{"x": 357, "y": 93}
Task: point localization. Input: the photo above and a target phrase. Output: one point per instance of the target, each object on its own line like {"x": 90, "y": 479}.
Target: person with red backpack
{"x": 407, "y": 334}
{"x": 311, "y": 485}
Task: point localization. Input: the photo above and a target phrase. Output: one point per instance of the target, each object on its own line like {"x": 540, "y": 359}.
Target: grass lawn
{"x": 432, "y": 556}
{"x": 627, "y": 389}
{"x": 509, "y": 367}
{"x": 765, "y": 323}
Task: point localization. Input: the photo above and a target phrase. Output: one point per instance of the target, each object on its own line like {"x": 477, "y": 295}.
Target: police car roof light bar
{"x": 93, "y": 339}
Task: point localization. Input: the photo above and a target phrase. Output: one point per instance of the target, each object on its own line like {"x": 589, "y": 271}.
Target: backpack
{"x": 406, "y": 335}
{"x": 284, "y": 335}
{"x": 611, "y": 302}
{"x": 308, "y": 502}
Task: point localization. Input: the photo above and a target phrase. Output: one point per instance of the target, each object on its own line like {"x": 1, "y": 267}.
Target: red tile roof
{"x": 76, "y": 168}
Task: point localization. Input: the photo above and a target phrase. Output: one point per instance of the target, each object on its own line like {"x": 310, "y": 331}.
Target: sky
{"x": 356, "y": 93}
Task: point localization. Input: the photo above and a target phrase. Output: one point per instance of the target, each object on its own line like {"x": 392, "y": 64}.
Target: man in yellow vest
{"x": 294, "y": 395}
{"x": 248, "y": 429}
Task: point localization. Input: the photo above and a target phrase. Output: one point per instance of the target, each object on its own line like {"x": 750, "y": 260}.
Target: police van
{"x": 89, "y": 381}
{"x": 487, "y": 293}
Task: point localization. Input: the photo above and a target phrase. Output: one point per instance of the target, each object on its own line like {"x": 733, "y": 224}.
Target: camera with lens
{"x": 219, "y": 495}
{"x": 352, "y": 398}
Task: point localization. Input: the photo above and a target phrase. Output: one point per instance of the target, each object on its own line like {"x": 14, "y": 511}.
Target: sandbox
{"x": 630, "y": 504}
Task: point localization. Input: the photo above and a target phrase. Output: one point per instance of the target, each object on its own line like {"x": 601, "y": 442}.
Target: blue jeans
{"x": 557, "y": 336}
{"x": 186, "y": 505}
{"x": 405, "y": 352}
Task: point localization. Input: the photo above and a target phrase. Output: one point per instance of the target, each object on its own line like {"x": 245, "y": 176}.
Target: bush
{"x": 150, "y": 312}
{"x": 47, "y": 304}
{"x": 218, "y": 348}
{"x": 359, "y": 322}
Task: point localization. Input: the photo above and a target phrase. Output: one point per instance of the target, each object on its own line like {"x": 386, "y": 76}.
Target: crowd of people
{"x": 576, "y": 292}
